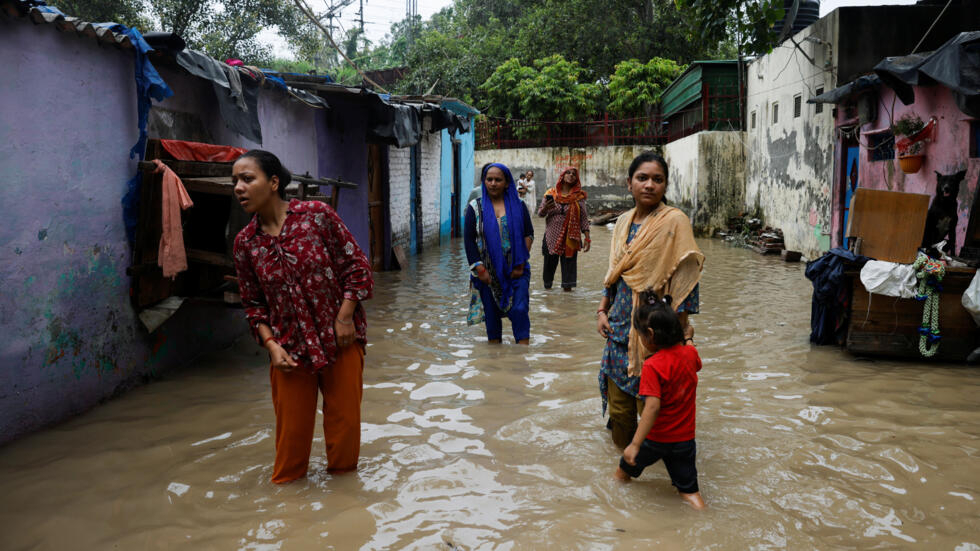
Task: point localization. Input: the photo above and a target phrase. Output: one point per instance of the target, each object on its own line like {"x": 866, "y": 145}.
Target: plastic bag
{"x": 971, "y": 298}
{"x": 889, "y": 278}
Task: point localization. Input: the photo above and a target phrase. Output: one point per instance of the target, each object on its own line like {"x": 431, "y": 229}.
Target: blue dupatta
{"x": 494, "y": 243}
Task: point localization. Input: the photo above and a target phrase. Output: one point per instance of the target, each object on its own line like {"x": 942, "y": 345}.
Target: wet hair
{"x": 656, "y": 313}
{"x": 649, "y": 157}
{"x": 271, "y": 166}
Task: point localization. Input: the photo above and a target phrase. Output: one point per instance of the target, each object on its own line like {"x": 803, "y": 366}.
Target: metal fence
{"x": 720, "y": 112}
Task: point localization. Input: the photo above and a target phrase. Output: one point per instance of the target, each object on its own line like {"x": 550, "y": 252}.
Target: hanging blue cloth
{"x": 149, "y": 84}
{"x": 491, "y": 234}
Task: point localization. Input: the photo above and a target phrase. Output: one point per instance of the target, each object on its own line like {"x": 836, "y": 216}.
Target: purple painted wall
{"x": 288, "y": 128}
{"x": 948, "y": 153}
{"x": 67, "y": 122}
{"x": 342, "y": 145}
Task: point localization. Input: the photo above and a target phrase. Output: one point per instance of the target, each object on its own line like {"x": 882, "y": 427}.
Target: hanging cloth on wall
{"x": 237, "y": 98}
{"x": 171, "y": 255}
{"x": 196, "y": 151}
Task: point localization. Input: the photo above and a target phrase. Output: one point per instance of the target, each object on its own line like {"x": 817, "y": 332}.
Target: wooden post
{"x": 705, "y": 106}
{"x": 609, "y": 140}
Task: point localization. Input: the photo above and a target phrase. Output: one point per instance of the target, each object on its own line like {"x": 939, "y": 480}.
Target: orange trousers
{"x": 294, "y": 396}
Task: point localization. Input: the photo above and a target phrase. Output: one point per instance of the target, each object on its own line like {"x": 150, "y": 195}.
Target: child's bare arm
{"x": 651, "y": 408}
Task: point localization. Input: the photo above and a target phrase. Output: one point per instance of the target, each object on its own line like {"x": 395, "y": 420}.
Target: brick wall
{"x": 431, "y": 146}
{"x": 399, "y": 189}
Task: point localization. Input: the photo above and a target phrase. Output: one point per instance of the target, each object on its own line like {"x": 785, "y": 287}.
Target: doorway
{"x": 850, "y": 177}
{"x": 376, "y": 204}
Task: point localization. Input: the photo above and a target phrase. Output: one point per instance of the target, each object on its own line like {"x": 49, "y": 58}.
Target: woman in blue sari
{"x": 497, "y": 234}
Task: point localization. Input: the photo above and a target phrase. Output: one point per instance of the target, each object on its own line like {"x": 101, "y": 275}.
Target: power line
{"x": 931, "y": 26}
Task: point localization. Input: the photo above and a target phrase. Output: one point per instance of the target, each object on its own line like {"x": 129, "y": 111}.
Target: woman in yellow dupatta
{"x": 653, "y": 249}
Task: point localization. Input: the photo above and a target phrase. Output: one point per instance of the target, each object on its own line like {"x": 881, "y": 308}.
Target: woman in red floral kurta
{"x": 302, "y": 278}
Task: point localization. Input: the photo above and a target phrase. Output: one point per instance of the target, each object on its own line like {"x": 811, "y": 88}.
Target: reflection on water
{"x": 502, "y": 447}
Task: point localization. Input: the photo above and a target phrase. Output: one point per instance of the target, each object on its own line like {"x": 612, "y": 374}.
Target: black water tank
{"x": 806, "y": 14}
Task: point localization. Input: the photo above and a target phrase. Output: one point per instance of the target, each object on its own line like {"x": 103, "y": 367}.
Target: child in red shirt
{"x": 668, "y": 384}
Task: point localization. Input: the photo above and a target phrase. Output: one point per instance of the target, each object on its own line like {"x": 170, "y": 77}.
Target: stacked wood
{"x": 768, "y": 241}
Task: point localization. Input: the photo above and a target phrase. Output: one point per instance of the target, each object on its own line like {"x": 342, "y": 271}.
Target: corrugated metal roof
{"x": 686, "y": 88}
{"x": 64, "y": 23}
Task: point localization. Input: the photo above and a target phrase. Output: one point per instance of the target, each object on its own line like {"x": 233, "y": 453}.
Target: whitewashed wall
{"x": 707, "y": 177}
{"x": 602, "y": 170}
{"x": 399, "y": 193}
{"x": 790, "y": 161}
{"x": 431, "y": 151}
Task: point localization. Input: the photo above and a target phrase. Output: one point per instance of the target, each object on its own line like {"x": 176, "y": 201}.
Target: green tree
{"x": 128, "y": 12}
{"x": 748, "y": 22}
{"x": 635, "y": 87}
{"x": 550, "y": 90}
{"x": 226, "y": 29}
{"x": 458, "y": 49}
{"x": 599, "y": 34}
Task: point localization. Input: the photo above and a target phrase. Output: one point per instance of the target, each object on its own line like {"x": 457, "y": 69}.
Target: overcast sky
{"x": 380, "y": 14}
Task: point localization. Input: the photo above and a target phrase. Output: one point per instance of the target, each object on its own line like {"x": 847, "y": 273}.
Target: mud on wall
{"x": 603, "y": 170}
{"x": 790, "y": 157}
{"x": 707, "y": 178}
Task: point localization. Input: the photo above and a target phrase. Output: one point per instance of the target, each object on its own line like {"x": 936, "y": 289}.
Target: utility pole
{"x": 360, "y": 14}
{"x": 334, "y": 7}
{"x": 411, "y": 12}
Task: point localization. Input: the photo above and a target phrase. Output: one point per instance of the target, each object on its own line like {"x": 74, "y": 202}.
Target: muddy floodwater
{"x": 503, "y": 447}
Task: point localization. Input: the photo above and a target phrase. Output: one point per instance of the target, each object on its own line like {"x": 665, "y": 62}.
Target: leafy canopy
{"x": 550, "y": 89}
{"x": 748, "y": 22}
{"x": 635, "y": 87}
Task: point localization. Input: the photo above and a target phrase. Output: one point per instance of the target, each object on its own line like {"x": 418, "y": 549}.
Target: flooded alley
{"x": 467, "y": 446}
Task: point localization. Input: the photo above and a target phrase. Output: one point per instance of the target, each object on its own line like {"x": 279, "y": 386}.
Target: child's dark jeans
{"x": 678, "y": 458}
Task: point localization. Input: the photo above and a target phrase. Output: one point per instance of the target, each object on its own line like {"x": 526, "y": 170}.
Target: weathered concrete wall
{"x": 790, "y": 160}
{"x": 602, "y": 170}
{"x": 707, "y": 177}
{"x": 948, "y": 153}
{"x": 70, "y": 336}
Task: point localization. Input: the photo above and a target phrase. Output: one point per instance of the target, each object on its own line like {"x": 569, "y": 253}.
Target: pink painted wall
{"x": 948, "y": 153}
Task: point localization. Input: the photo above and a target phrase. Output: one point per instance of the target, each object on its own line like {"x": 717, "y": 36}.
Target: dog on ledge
{"x": 942, "y": 217}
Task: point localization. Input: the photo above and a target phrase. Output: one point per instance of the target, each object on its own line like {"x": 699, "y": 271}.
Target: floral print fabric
{"x": 295, "y": 282}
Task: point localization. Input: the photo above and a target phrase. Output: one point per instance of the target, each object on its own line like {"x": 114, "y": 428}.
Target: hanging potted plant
{"x": 911, "y": 148}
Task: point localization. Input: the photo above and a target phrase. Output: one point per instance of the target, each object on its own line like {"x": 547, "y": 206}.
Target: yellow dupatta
{"x": 662, "y": 257}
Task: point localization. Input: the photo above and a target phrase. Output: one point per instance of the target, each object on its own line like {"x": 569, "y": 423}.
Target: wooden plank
{"x": 889, "y": 326}
{"x": 890, "y": 223}
{"x": 336, "y": 182}
{"x": 214, "y": 185}
{"x": 210, "y": 258}
{"x": 189, "y": 169}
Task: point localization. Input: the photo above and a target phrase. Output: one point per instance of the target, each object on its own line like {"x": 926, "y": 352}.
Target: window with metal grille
{"x": 881, "y": 146}
{"x": 818, "y": 107}
{"x": 775, "y": 112}
{"x": 753, "y": 119}
{"x": 797, "y": 106}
